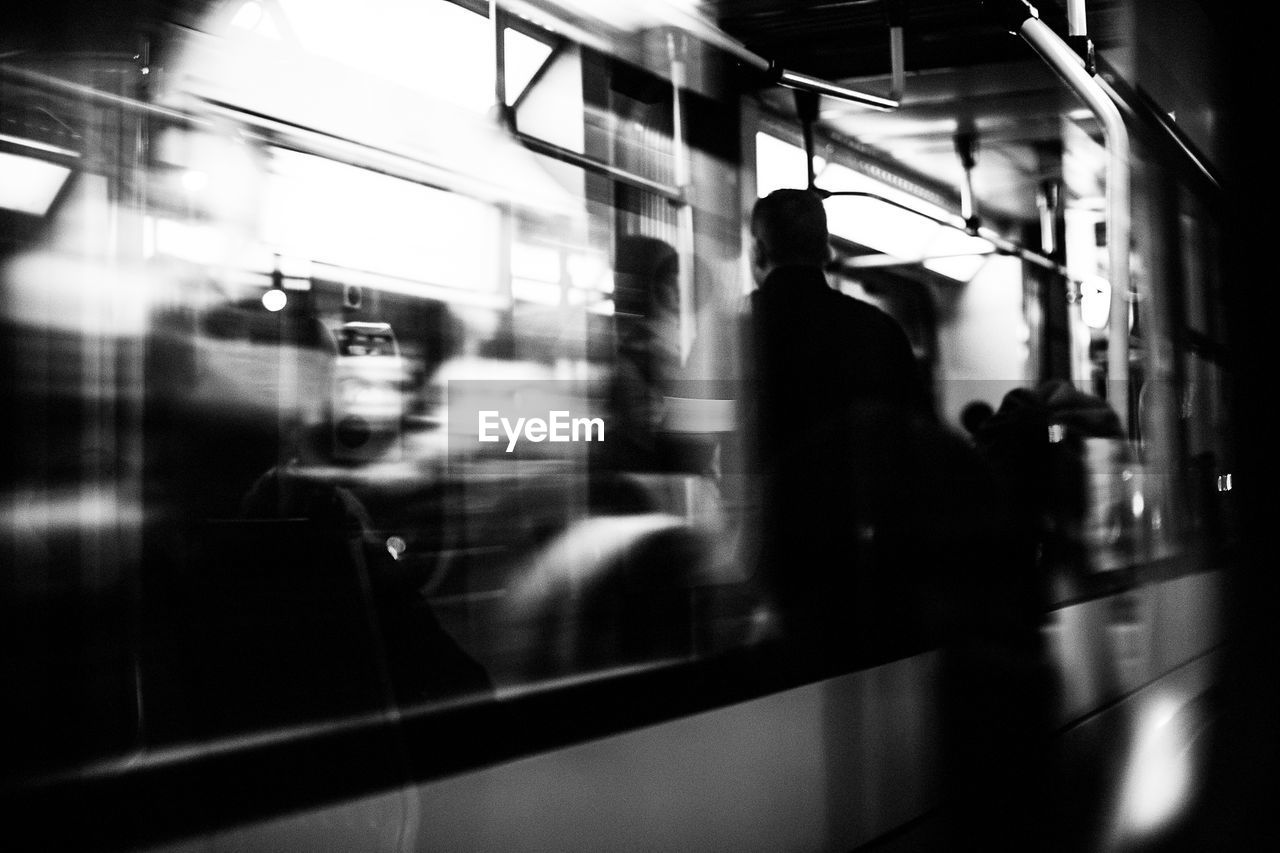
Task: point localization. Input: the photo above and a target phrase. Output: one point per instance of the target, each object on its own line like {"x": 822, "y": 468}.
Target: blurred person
{"x": 884, "y": 531}
{"x": 826, "y": 367}
{"x": 272, "y": 600}
{"x": 647, "y": 364}
{"x": 1000, "y": 691}
{"x": 816, "y": 350}
{"x": 1036, "y": 444}
{"x": 424, "y": 663}
{"x": 974, "y": 414}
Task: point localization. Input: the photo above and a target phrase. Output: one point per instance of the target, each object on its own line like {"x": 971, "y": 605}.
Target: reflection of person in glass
{"x": 646, "y": 300}
{"x": 1039, "y": 443}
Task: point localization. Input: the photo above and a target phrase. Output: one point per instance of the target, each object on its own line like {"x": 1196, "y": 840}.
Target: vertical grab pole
{"x": 505, "y": 114}
{"x": 683, "y": 180}
{"x": 1025, "y": 21}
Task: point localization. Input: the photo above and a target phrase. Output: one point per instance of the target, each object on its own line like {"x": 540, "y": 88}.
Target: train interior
{"x": 380, "y": 470}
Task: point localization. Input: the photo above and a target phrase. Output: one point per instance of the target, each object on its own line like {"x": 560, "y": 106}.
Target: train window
{"x": 328, "y": 251}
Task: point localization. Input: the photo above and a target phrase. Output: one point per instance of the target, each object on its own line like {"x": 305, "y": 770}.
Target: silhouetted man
{"x": 817, "y": 350}
{"x": 838, "y": 406}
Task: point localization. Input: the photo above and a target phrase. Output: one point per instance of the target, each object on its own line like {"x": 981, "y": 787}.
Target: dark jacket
{"x": 817, "y": 351}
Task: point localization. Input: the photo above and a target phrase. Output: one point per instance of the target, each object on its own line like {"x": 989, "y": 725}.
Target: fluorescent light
{"x": 889, "y": 220}
{"x": 779, "y": 165}
{"x": 29, "y": 185}
{"x": 880, "y": 226}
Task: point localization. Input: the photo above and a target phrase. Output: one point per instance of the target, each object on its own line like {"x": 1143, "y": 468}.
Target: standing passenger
{"x": 817, "y": 350}
{"x": 835, "y": 387}
{"x": 883, "y": 534}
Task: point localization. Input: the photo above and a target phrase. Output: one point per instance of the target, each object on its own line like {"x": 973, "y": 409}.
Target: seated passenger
{"x": 423, "y": 661}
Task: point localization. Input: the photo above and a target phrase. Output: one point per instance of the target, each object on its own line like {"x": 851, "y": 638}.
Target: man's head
{"x": 788, "y": 227}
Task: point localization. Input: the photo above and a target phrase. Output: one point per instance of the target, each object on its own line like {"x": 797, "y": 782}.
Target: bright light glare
{"x": 38, "y": 146}
{"x": 779, "y": 165}
{"x": 535, "y": 262}
{"x": 870, "y": 222}
{"x": 440, "y": 48}
{"x": 193, "y": 180}
{"x": 361, "y": 220}
{"x": 632, "y": 15}
{"x": 540, "y": 292}
{"x": 247, "y": 16}
{"x": 1095, "y": 302}
{"x": 590, "y": 272}
{"x": 66, "y": 510}
{"x": 29, "y": 185}
{"x": 880, "y": 226}
{"x": 201, "y": 244}
{"x": 274, "y": 300}
{"x": 1159, "y": 775}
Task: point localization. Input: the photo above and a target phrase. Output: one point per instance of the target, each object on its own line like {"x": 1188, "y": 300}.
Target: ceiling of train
{"x": 964, "y": 74}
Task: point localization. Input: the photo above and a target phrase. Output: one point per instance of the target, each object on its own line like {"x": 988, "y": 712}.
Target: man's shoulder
{"x": 862, "y": 312}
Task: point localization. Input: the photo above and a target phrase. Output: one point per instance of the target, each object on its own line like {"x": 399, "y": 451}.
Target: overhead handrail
{"x": 1023, "y": 19}
{"x": 705, "y": 31}
{"x": 1002, "y": 245}
{"x": 1138, "y": 108}
{"x": 806, "y": 83}
{"x": 807, "y": 110}
{"x": 714, "y": 36}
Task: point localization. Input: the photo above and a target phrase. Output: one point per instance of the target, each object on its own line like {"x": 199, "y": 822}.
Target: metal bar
{"x": 539, "y": 146}
{"x": 684, "y": 179}
{"x": 1070, "y": 67}
{"x": 500, "y": 65}
{"x": 897, "y": 64}
{"x": 716, "y": 37}
{"x": 1138, "y": 107}
{"x": 1076, "y": 18}
{"x": 79, "y": 90}
{"x": 1003, "y": 246}
{"x": 299, "y": 138}
{"x": 795, "y": 80}
{"x": 881, "y": 260}
{"x": 7, "y": 141}
{"x": 1008, "y": 247}
{"x": 1047, "y": 199}
{"x": 566, "y": 155}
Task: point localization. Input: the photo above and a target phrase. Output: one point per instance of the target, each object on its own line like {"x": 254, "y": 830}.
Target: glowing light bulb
{"x": 274, "y": 300}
